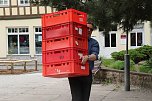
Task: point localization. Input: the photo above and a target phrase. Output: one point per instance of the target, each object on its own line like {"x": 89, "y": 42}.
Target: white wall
{"x": 104, "y": 51}
{"x": 4, "y": 24}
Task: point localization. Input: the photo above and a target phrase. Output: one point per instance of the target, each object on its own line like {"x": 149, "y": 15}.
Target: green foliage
{"x": 145, "y": 69}
{"x": 118, "y": 55}
{"x": 123, "y": 12}
{"x": 111, "y": 63}
{"x": 63, "y": 4}
{"x": 147, "y": 66}
{"x": 107, "y": 13}
{"x": 149, "y": 62}
{"x": 135, "y": 55}
{"x": 117, "y": 65}
{"x": 132, "y": 66}
{"x": 146, "y": 50}
{"x": 150, "y": 71}
{"x": 120, "y": 65}
{"x": 107, "y": 62}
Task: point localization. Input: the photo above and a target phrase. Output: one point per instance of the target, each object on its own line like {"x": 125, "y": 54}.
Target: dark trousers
{"x": 80, "y": 87}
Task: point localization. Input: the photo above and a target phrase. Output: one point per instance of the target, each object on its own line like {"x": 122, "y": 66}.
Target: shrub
{"x": 146, "y": 50}
{"x": 150, "y": 71}
{"x": 149, "y": 62}
{"x": 146, "y": 67}
{"x": 118, "y": 55}
{"x": 132, "y": 65}
{"x": 135, "y": 55}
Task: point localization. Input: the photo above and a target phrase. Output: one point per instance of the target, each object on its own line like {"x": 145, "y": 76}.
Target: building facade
{"x": 21, "y": 32}
{"x": 116, "y": 40}
{"x": 20, "y": 29}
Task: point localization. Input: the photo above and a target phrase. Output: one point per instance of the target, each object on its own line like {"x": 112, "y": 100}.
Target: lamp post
{"x": 127, "y": 66}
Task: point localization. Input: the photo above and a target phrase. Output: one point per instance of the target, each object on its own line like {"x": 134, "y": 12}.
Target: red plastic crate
{"x": 64, "y": 42}
{"x": 65, "y": 69}
{"x": 64, "y": 54}
{"x": 69, "y": 15}
{"x": 65, "y": 29}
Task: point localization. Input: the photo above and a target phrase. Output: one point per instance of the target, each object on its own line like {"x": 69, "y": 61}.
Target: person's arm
{"x": 94, "y": 53}
{"x": 91, "y": 57}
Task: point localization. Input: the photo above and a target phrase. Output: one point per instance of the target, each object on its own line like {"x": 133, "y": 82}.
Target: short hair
{"x": 94, "y": 27}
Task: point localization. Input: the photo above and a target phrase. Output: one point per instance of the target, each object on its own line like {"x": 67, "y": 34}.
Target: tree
{"x": 107, "y": 13}
{"x": 62, "y": 4}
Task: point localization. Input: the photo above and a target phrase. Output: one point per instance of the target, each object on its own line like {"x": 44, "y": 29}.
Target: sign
{"x": 123, "y": 39}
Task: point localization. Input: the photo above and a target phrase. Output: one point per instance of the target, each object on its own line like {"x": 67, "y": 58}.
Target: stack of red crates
{"x": 64, "y": 35}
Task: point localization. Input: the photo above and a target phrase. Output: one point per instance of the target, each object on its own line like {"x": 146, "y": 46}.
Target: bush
{"x": 132, "y": 66}
{"x": 146, "y": 50}
{"x": 146, "y": 67}
{"x": 118, "y": 55}
{"x": 149, "y": 62}
{"x": 135, "y": 55}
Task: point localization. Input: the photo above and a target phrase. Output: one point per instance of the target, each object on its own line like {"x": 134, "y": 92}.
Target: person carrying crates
{"x": 80, "y": 86}
{"x": 69, "y": 51}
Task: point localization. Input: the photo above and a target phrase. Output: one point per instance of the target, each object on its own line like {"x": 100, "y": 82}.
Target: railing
{"x": 12, "y": 62}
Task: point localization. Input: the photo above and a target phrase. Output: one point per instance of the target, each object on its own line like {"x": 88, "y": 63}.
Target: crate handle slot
{"x": 56, "y": 15}
{"x": 57, "y": 64}
{"x": 57, "y": 52}
{"x": 78, "y": 14}
{"x": 57, "y": 40}
{"x": 79, "y": 51}
{"x": 80, "y": 39}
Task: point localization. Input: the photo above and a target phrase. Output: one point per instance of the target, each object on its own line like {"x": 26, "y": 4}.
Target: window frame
{"x": 37, "y": 33}
{"x": 18, "y": 36}
{"x": 110, "y": 33}
{"x": 5, "y": 5}
{"x": 19, "y": 3}
{"x": 137, "y": 31}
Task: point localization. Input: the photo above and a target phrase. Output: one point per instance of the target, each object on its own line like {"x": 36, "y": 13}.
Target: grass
{"x": 146, "y": 69}
{"x": 111, "y": 63}
{"x": 107, "y": 62}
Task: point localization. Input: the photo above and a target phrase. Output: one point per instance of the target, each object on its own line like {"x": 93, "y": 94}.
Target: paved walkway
{"x": 34, "y": 87}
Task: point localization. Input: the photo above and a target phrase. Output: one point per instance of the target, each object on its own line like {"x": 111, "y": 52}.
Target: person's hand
{"x": 84, "y": 59}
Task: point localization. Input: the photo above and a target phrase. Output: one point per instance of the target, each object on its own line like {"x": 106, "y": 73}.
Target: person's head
{"x": 90, "y": 29}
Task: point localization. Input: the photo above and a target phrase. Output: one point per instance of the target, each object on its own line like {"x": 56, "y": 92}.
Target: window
{"x": 110, "y": 40}
{"x": 18, "y": 41}
{"x": 24, "y": 2}
{"x": 4, "y": 2}
{"x": 38, "y": 40}
{"x": 136, "y": 39}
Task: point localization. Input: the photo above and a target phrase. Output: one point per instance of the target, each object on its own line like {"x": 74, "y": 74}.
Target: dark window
{"x": 110, "y": 40}
{"x": 12, "y": 44}
{"x": 107, "y": 40}
{"x": 139, "y": 39}
{"x": 24, "y": 44}
{"x": 133, "y": 39}
{"x": 136, "y": 39}
{"x": 113, "y": 40}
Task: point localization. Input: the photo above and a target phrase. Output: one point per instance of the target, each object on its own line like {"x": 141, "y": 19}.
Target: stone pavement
{"x": 34, "y": 87}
